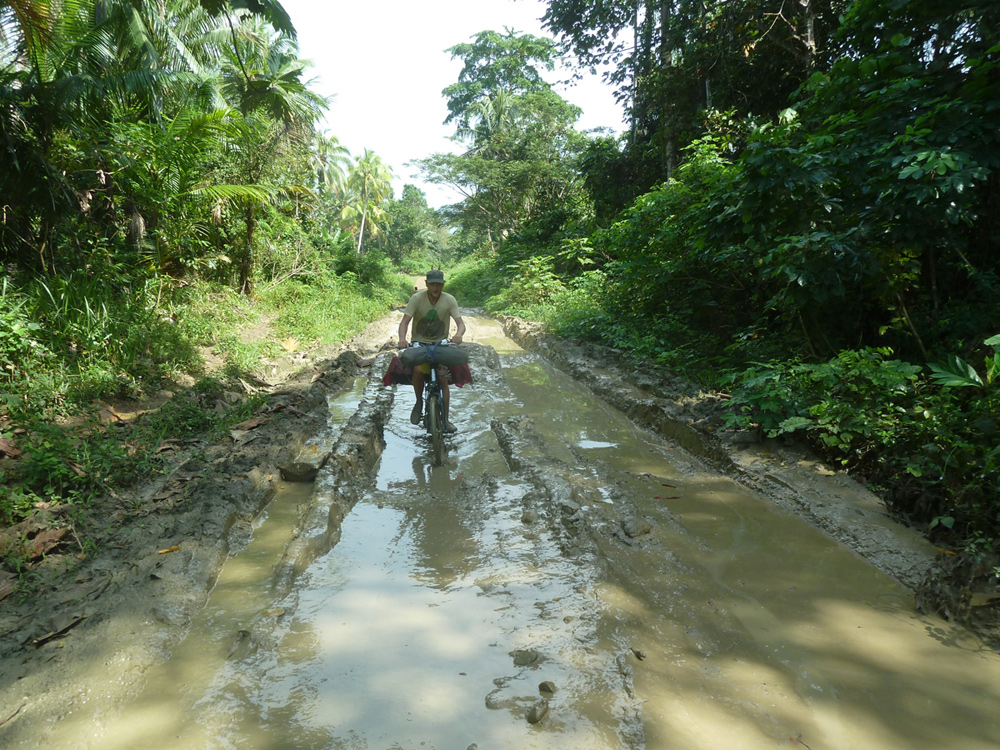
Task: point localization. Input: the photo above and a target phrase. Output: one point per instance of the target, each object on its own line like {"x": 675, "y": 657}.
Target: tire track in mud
{"x": 547, "y": 541}
{"x": 555, "y": 503}
{"x": 830, "y": 500}
{"x": 567, "y": 666}
{"x": 347, "y": 475}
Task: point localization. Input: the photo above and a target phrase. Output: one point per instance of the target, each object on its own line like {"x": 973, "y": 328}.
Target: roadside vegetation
{"x": 172, "y": 221}
{"x": 801, "y": 214}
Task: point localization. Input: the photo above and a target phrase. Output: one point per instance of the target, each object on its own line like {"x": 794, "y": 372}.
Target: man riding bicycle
{"x": 431, "y": 311}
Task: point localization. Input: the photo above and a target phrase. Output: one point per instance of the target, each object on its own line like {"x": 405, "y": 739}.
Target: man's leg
{"x": 418, "y": 389}
{"x": 446, "y": 398}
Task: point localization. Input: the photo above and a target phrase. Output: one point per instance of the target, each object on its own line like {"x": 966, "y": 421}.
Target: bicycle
{"x": 434, "y": 412}
{"x": 434, "y": 418}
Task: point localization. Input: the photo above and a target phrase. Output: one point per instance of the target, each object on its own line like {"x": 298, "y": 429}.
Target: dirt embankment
{"x": 155, "y": 553}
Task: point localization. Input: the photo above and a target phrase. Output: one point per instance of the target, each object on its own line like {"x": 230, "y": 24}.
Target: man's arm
{"x": 403, "y": 325}
{"x": 459, "y": 330}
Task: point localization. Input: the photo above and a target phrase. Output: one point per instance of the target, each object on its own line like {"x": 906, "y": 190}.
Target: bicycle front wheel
{"x": 435, "y": 426}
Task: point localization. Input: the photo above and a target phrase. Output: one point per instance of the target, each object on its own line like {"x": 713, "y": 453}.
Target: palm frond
{"x": 252, "y": 194}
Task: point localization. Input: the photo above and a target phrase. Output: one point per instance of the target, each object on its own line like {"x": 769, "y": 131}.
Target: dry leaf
{"x": 46, "y": 540}
{"x": 168, "y": 550}
{"x": 6, "y": 584}
{"x": 6, "y": 447}
{"x": 290, "y": 344}
{"x": 241, "y": 436}
{"x": 251, "y": 423}
{"x": 167, "y": 493}
{"x": 72, "y": 622}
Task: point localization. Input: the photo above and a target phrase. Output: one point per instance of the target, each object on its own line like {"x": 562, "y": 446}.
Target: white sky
{"x": 386, "y": 63}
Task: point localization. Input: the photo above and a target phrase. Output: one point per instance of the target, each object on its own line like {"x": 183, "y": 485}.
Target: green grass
{"x": 67, "y": 345}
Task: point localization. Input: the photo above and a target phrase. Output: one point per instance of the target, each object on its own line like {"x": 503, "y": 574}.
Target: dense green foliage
{"x": 804, "y": 214}
{"x": 518, "y": 172}
{"x": 418, "y": 238}
{"x": 164, "y": 188}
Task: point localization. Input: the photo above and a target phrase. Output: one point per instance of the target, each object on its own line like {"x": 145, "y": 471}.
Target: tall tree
{"x": 517, "y": 132}
{"x": 496, "y": 64}
{"x": 369, "y": 185}
{"x": 674, "y": 60}
{"x": 416, "y": 233}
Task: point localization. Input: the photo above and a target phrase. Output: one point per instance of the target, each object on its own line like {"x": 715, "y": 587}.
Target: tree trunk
{"x": 361, "y": 232}
{"x": 246, "y": 260}
{"x": 809, "y": 32}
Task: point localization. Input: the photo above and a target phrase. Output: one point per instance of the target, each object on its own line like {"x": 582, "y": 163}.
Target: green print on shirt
{"x": 431, "y": 327}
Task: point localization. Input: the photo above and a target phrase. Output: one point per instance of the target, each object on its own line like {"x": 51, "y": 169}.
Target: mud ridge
{"x": 158, "y": 557}
{"x": 342, "y": 482}
{"x": 584, "y": 533}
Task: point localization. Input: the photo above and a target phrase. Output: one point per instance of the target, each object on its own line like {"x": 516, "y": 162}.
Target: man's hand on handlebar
{"x": 456, "y": 339}
{"x": 402, "y": 343}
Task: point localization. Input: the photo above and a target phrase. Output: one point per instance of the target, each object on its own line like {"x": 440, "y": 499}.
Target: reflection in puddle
{"x": 595, "y": 444}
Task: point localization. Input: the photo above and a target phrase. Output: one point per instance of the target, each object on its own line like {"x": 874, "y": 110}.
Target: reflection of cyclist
{"x": 431, "y": 312}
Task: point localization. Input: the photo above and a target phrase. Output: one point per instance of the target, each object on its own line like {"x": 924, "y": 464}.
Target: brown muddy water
{"x": 566, "y": 580}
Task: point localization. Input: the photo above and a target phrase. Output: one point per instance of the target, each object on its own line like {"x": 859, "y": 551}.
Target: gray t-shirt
{"x": 431, "y": 322}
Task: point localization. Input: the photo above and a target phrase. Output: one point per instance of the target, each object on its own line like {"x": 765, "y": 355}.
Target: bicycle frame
{"x": 434, "y": 413}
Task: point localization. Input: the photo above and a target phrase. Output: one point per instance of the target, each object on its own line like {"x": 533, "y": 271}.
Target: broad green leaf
{"x": 955, "y": 373}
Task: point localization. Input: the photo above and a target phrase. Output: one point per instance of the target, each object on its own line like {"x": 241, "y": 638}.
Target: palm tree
{"x": 369, "y": 185}
{"x": 492, "y": 121}
{"x": 264, "y": 71}
{"x": 273, "y": 106}
{"x": 331, "y": 163}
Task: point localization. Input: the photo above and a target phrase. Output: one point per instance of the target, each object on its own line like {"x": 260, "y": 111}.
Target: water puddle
{"x": 692, "y": 613}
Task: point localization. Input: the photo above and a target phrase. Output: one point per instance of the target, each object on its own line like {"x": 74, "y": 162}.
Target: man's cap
{"x": 435, "y": 277}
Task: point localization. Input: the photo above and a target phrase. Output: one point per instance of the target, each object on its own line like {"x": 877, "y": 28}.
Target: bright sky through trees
{"x": 386, "y": 63}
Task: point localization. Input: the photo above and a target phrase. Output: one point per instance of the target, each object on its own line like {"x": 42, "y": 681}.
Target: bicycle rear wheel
{"x": 435, "y": 426}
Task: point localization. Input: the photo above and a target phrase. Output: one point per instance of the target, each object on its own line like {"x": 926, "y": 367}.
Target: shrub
{"x": 932, "y": 450}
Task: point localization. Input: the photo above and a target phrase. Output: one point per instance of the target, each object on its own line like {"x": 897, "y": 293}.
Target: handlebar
{"x": 442, "y": 342}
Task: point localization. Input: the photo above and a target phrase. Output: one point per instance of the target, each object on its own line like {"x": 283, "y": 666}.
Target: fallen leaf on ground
{"x": 7, "y": 448}
{"x": 168, "y": 550}
{"x": 6, "y": 584}
{"x": 251, "y": 423}
{"x": 170, "y": 445}
{"x": 241, "y": 436}
{"x": 46, "y": 540}
{"x": 167, "y": 492}
{"x": 74, "y": 621}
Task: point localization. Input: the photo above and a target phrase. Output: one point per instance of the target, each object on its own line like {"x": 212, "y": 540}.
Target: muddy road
{"x": 566, "y": 580}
